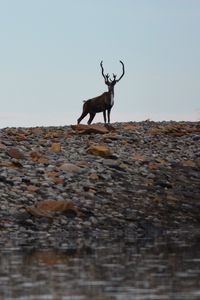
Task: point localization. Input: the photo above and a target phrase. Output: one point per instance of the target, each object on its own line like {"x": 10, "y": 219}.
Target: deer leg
{"x": 109, "y": 115}
{"x": 92, "y": 115}
{"x": 81, "y": 117}
{"x": 104, "y": 116}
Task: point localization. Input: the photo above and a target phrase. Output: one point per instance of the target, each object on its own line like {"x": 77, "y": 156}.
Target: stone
{"x": 47, "y": 207}
{"x": 32, "y": 188}
{"x": 56, "y": 205}
{"x": 189, "y": 163}
{"x": 88, "y": 129}
{"x": 21, "y": 137}
{"x": 38, "y": 157}
{"x": 56, "y": 147}
{"x": 2, "y": 146}
{"x": 70, "y": 168}
{"x": 100, "y": 150}
{"x": 36, "y": 212}
{"x": 130, "y": 127}
{"x": 15, "y": 153}
{"x": 35, "y": 155}
{"x": 58, "y": 180}
{"x": 93, "y": 177}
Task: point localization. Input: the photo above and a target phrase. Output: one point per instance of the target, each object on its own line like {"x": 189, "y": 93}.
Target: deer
{"x": 105, "y": 101}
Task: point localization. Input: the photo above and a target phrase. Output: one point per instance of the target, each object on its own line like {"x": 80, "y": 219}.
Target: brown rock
{"x": 88, "y": 129}
{"x": 189, "y": 163}
{"x": 79, "y": 127}
{"x": 82, "y": 164}
{"x": 94, "y": 177}
{"x": 50, "y": 257}
{"x": 130, "y": 127}
{"x": 15, "y": 153}
{"x": 20, "y": 137}
{"x": 47, "y": 207}
{"x": 56, "y": 205}
{"x": 2, "y": 146}
{"x": 43, "y": 160}
{"x": 100, "y": 150}
{"x": 35, "y": 155}
{"x": 16, "y": 164}
{"x": 153, "y": 166}
{"x": 34, "y": 211}
{"x": 35, "y": 131}
{"x": 32, "y": 188}
{"x": 58, "y": 180}
{"x": 54, "y": 133}
{"x": 109, "y": 127}
{"x": 139, "y": 157}
{"x": 38, "y": 157}
{"x": 176, "y": 130}
{"x": 56, "y": 147}
{"x": 53, "y": 174}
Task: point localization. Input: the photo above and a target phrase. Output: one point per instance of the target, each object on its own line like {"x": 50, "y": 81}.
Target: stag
{"x": 103, "y": 102}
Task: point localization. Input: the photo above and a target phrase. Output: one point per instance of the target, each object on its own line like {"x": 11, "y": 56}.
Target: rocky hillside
{"x": 129, "y": 178}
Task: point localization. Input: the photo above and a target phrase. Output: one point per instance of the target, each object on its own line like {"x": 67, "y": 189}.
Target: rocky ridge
{"x": 137, "y": 178}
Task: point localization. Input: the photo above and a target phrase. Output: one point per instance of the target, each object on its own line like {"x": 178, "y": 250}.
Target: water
{"x": 162, "y": 268}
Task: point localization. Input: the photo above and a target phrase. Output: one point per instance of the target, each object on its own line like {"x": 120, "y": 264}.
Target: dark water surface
{"x": 166, "y": 267}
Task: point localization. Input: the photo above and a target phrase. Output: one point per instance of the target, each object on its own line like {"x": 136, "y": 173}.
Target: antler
{"x": 106, "y": 77}
{"x": 102, "y": 70}
{"x": 114, "y": 76}
{"x": 123, "y": 71}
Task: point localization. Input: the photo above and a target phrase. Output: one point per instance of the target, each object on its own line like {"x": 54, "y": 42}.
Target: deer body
{"x": 98, "y": 104}
{"x": 103, "y": 102}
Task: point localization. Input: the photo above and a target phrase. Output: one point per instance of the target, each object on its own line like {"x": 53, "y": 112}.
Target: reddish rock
{"x": 56, "y": 147}
{"x": 100, "y": 150}
{"x": 34, "y": 211}
{"x": 53, "y": 174}
{"x": 88, "y": 129}
{"x": 35, "y": 155}
{"x": 21, "y": 137}
{"x": 15, "y": 153}
{"x": 58, "y": 180}
{"x": 56, "y": 205}
{"x": 46, "y": 208}
{"x": 131, "y": 127}
{"x": 38, "y": 157}
{"x": 110, "y": 127}
{"x": 50, "y": 257}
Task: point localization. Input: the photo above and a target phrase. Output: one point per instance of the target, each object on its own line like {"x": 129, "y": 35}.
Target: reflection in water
{"x": 121, "y": 269}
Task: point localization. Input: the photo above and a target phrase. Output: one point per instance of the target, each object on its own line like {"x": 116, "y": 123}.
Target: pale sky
{"x": 51, "y": 51}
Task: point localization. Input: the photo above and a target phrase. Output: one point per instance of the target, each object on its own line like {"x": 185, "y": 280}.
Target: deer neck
{"x": 111, "y": 92}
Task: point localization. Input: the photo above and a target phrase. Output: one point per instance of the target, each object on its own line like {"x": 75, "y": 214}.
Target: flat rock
{"x": 15, "y": 153}
{"x": 88, "y": 129}
{"x": 47, "y": 207}
{"x": 100, "y": 150}
{"x": 70, "y": 168}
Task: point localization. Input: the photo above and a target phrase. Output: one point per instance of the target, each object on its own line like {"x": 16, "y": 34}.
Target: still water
{"x": 166, "y": 267}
